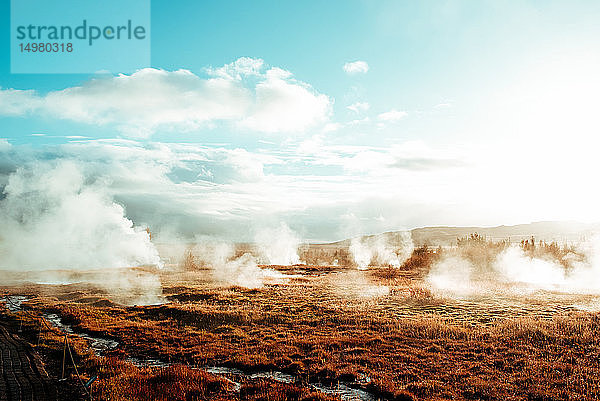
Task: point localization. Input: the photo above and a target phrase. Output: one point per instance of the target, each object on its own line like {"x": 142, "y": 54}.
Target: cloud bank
{"x": 232, "y": 193}
{"x": 246, "y": 94}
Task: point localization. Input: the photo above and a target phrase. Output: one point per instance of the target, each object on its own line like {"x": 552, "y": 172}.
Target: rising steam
{"x": 389, "y": 249}
{"x": 278, "y": 246}
{"x": 53, "y": 217}
{"x": 226, "y": 268}
{"x": 513, "y": 270}
{"x": 582, "y": 275}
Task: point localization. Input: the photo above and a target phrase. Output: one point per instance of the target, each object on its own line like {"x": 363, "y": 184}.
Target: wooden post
{"x": 64, "y": 357}
{"x": 39, "y": 332}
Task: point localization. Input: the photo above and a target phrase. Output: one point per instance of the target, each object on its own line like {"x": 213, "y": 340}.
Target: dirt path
{"x": 22, "y": 376}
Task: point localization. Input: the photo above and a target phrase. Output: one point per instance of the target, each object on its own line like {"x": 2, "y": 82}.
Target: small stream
{"x": 342, "y": 390}
{"x": 98, "y": 344}
{"x": 101, "y": 345}
{"x": 13, "y": 302}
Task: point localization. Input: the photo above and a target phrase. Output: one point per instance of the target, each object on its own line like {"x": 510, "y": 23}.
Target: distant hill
{"x": 313, "y": 253}
{"x": 559, "y": 231}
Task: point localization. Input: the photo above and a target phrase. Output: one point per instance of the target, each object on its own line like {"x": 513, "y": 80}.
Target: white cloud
{"x": 356, "y": 67}
{"x": 193, "y": 189}
{"x": 410, "y": 156}
{"x": 282, "y": 104}
{"x": 311, "y": 184}
{"x": 311, "y": 145}
{"x": 359, "y": 107}
{"x": 244, "y": 93}
{"x": 331, "y": 127}
{"x": 4, "y": 145}
{"x": 359, "y": 121}
{"x": 239, "y": 69}
{"x": 392, "y": 116}
{"x": 15, "y": 102}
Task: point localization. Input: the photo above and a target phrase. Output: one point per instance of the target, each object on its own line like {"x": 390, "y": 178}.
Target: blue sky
{"x": 457, "y": 112}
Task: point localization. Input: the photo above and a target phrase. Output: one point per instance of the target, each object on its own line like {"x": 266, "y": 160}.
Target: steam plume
{"x": 389, "y": 249}
{"x": 278, "y": 246}
{"x": 53, "y": 221}
{"x": 513, "y": 270}
{"x": 51, "y": 217}
{"x": 242, "y": 271}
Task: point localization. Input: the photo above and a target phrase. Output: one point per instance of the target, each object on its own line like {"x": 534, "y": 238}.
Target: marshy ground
{"x": 322, "y": 332}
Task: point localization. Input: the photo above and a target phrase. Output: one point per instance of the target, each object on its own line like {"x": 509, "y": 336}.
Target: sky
{"x": 335, "y": 118}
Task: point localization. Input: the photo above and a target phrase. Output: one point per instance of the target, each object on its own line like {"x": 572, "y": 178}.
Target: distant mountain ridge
{"x": 559, "y": 231}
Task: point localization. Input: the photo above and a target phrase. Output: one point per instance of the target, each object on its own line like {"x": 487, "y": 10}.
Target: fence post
{"x": 64, "y": 357}
{"x": 39, "y": 332}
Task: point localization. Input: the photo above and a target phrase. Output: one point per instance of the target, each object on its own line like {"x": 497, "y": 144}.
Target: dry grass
{"x": 401, "y": 345}
{"x": 121, "y": 381}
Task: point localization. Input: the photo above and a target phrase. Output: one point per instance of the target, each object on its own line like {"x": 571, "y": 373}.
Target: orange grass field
{"x": 381, "y": 331}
